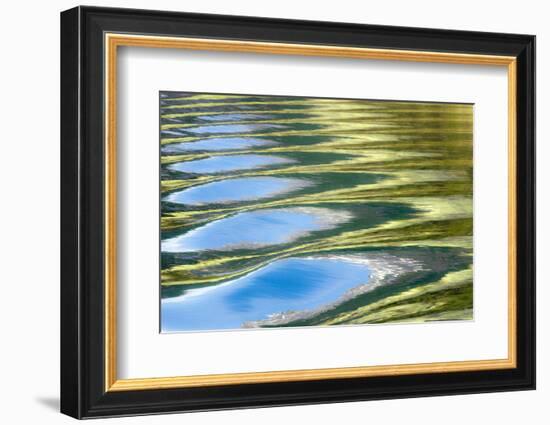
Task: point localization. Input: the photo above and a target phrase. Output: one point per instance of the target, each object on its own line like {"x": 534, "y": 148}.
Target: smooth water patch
{"x": 218, "y": 144}
{"x": 256, "y": 229}
{"x": 232, "y": 128}
{"x": 233, "y": 117}
{"x": 225, "y": 163}
{"x": 292, "y": 284}
{"x": 237, "y": 190}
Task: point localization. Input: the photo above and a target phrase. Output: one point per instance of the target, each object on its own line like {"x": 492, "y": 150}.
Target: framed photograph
{"x": 261, "y": 212}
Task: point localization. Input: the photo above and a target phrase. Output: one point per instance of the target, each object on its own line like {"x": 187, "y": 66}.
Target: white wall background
{"x": 29, "y": 218}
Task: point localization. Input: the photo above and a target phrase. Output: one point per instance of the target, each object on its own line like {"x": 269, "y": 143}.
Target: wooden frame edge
{"x": 306, "y": 375}
{"x": 114, "y": 40}
{"x": 512, "y": 212}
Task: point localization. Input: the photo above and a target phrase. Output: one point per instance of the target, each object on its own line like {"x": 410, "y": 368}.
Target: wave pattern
{"x": 288, "y": 211}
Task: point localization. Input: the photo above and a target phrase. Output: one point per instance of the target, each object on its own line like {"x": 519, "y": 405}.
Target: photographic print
{"x": 308, "y": 237}
{"x": 280, "y": 211}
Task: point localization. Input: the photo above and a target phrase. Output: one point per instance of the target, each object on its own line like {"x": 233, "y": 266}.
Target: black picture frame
{"x": 83, "y": 392}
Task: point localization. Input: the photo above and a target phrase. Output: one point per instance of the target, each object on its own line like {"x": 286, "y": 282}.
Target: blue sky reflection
{"x": 290, "y": 284}
{"x": 225, "y": 163}
{"x": 237, "y": 190}
{"x": 256, "y": 229}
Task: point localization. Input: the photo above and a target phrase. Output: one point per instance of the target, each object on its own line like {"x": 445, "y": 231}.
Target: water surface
{"x": 233, "y": 117}
{"x": 231, "y": 128}
{"x": 237, "y": 190}
{"x": 225, "y": 163}
{"x": 256, "y": 229}
{"x": 218, "y": 144}
{"x": 253, "y": 185}
{"x": 292, "y": 284}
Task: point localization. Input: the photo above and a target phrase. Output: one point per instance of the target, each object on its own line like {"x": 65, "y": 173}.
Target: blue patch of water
{"x": 233, "y": 117}
{"x": 217, "y": 144}
{"x": 255, "y": 229}
{"x": 225, "y": 163}
{"x": 237, "y": 190}
{"x": 292, "y": 284}
{"x": 231, "y": 128}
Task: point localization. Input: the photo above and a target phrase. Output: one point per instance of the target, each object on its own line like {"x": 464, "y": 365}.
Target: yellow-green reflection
{"x": 403, "y": 170}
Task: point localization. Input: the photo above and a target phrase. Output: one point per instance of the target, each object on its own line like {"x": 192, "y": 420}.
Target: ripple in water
{"x": 237, "y": 190}
{"x": 218, "y": 144}
{"x": 256, "y": 229}
{"x": 233, "y": 117}
{"x": 290, "y": 284}
{"x": 231, "y": 128}
{"x": 225, "y": 163}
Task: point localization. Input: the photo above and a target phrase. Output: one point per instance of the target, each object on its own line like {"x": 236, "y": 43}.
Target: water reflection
{"x": 288, "y": 284}
{"x": 218, "y": 144}
{"x": 256, "y": 229}
{"x": 260, "y": 194}
{"x": 233, "y": 117}
{"x": 237, "y": 189}
{"x": 221, "y": 164}
{"x": 232, "y": 128}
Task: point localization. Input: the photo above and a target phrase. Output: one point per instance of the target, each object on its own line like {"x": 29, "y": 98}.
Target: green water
{"x": 377, "y": 187}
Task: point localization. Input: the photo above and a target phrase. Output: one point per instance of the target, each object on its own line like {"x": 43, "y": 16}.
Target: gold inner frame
{"x": 113, "y": 41}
